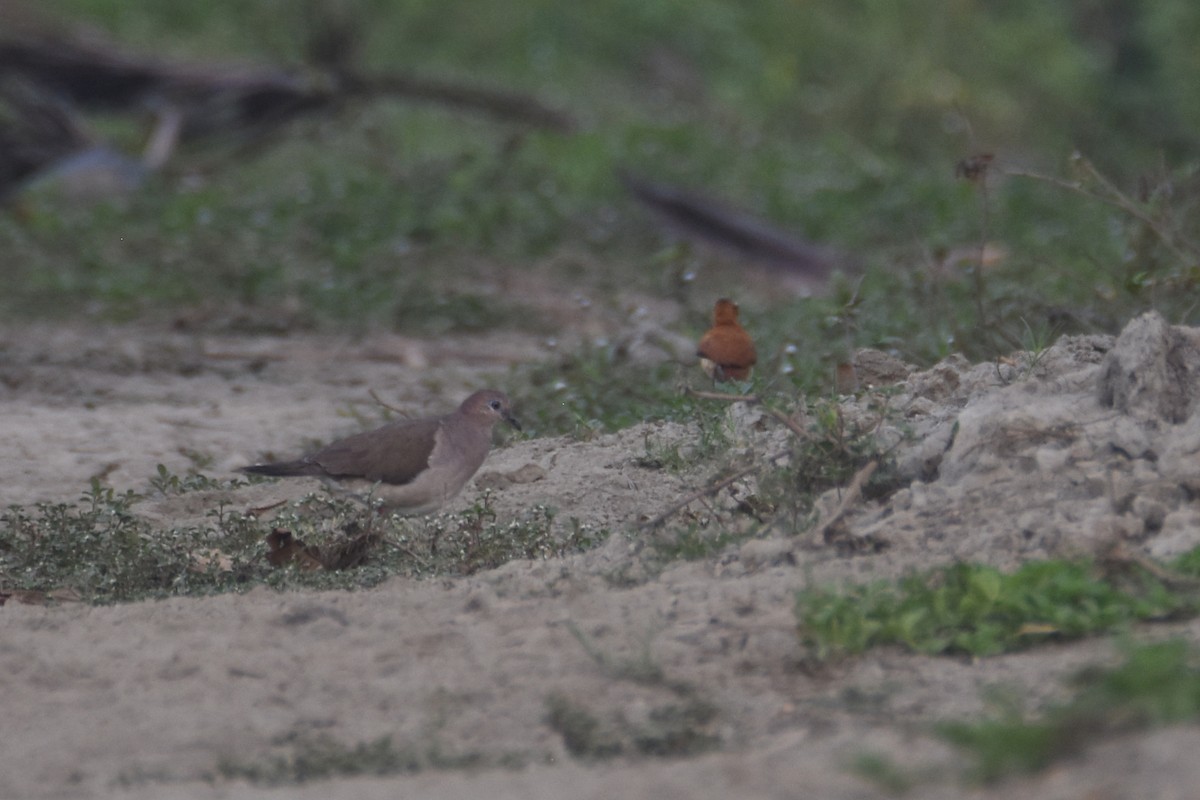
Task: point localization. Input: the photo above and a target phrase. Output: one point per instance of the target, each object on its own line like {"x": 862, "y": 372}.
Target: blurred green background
{"x": 841, "y": 122}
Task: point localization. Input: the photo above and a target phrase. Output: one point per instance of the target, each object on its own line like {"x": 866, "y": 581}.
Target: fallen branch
{"x": 500, "y": 104}
{"x": 699, "y": 217}
{"x": 202, "y": 101}
{"x": 707, "y": 490}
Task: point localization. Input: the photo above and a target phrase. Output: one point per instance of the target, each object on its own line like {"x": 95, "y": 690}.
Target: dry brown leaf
{"x": 974, "y": 168}
{"x": 284, "y": 548}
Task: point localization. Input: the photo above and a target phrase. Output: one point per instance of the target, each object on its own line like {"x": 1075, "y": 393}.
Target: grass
{"x": 323, "y": 758}
{"x": 840, "y": 123}
{"x": 883, "y": 772}
{"x": 979, "y": 611}
{"x": 682, "y": 726}
{"x": 673, "y": 729}
{"x": 103, "y": 552}
{"x": 314, "y": 758}
{"x": 594, "y": 390}
{"x": 1157, "y": 685}
{"x": 100, "y": 550}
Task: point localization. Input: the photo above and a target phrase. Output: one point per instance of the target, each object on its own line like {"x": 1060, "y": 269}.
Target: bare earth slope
{"x": 1071, "y": 451}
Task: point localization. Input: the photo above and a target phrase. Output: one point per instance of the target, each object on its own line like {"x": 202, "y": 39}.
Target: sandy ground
{"x": 1049, "y": 455}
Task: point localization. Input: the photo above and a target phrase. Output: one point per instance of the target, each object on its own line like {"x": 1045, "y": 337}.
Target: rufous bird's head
{"x": 725, "y": 312}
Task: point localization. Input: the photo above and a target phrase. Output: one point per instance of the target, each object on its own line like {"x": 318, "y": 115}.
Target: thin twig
{"x": 750, "y": 399}
{"x": 422, "y": 562}
{"x": 984, "y": 232}
{"x": 255, "y": 511}
{"x": 1120, "y": 554}
{"x": 851, "y": 496}
{"x": 1114, "y": 198}
{"x": 712, "y": 488}
{"x": 754, "y": 400}
{"x": 386, "y": 405}
{"x": 789, "y": 423}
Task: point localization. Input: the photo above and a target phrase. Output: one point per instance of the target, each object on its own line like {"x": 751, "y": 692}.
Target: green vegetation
{"x": 476, "y": 540}
{"x": 681, "y": 726}
{"x": 323, "y": 757}
{"x": 100, "y": 550}
{"x": 841, "y": 122}
{"x": 978, "y": 610}
{"x": 577, "y": 393}
{"x": 1157, "y": 685}
{"x": 884, "y": 773}
{"x": 673, "y": 729}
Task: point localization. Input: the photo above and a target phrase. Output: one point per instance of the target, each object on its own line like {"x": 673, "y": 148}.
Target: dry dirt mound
{"x": 583, "y": 670}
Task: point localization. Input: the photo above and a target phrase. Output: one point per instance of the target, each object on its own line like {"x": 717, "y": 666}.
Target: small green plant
{"x": 101, "y": 550}
{"x": 678, "y": 727}
{"x": 883, "y": 772}
{"x": 168, "y": 483}
{"x": 598, "y": 389}
{"x": 459, "y": 543}
{"x": 672, "y": 729}
{"x": 693, "y": 542}
{"x": 642, "y": 670}
{"x": 978, "y": 610}
{"x": 829, "y": 455}
{"x": 582, "y": 732}
{"x": 1158, "y": 684}
{"x": 475, "y": 539}
{"x": 104, "y": 552}
{"x": 323, "y": 758}
{"x": 662, "y": 455}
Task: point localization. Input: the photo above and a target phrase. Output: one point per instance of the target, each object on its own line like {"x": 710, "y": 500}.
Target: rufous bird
{"x": 726, "y": 351}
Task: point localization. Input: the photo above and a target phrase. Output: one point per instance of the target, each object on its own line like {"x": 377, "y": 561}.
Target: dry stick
{"x": 984, "y": 232}
{"x": 986, "y": 214}
{"x": 1121, "y": 554}
{"x": 754, "y": 400}
{"x": 499, "y": 103}
{"x": 707, "y": 490}
{"x": 751, "y": 399}
{"x": 254, "y": 511}
{"x": 852, "y": 496}
{"x": 1114, "y": 198}
{"x": 725, "y": 396}
{"x": 386, "y": 405}
{"x": 408, "y": 551}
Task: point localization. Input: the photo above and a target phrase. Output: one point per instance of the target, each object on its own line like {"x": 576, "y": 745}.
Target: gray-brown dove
{"x": 414, "y": 465}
